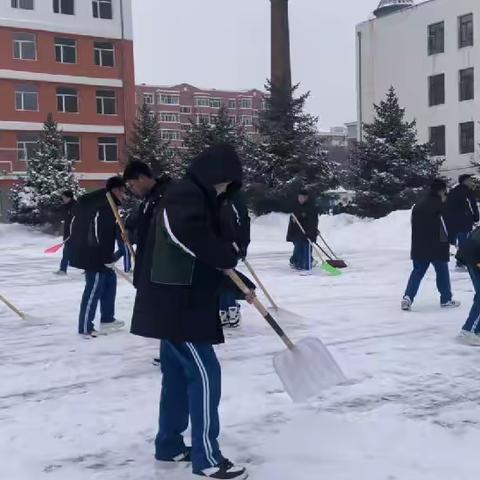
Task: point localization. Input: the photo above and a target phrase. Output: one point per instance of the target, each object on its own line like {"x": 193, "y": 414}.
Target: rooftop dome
{"x": 389, "y": 6}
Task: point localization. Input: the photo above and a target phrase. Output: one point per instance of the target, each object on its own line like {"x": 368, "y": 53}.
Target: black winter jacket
{"x": 93, "y": 233}
{"x": 462, "y": 210}
{"x": 469, "y": 252}
{"x": 178, "y": 289}
{"x": 67, "y": 217}
{"x": 429, "y": 233}
{"x": 307, "y": 215}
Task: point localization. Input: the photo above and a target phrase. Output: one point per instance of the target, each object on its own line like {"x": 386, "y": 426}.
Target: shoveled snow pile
{"x": 87, "y": 410}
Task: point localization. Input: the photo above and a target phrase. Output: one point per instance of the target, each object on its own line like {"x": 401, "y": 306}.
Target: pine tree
{"x": 389, "y": 169}
{"x": 147, "y": 144}
{"x": 37, "y": 199}
{"x": 289, "y": 157}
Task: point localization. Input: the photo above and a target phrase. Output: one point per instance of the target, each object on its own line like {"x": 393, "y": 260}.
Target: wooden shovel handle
{"x": 313, "y": 244}
{"x": 262, "y": 310}
{"x": 120, "y": 224}
{"x": 12, "y": 307}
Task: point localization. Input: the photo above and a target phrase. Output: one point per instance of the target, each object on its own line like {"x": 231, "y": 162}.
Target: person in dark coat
{"x": 307, "y": 214}
{"x": 68, "y": 207}
{"x": 178, "y": 302}
{"x": 430, "y": 246}
{"x": 93, "y": 237}
{"x": 462, "y": 211}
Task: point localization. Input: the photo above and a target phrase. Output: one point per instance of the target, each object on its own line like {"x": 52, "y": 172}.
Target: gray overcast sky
{"x": 226, "y": 44}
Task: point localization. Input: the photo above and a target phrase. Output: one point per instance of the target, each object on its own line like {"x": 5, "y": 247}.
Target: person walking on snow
{"x": 177, "y": 302}
{"x": 430, "y": 246}
{"x": 93, "y": 238}
{"x": 68, "y": 207}
{"x": 462, "y": 211}
{"x": 307, "y": 214}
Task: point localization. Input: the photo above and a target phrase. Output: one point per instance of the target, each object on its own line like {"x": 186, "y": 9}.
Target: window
{"x": 202, "y": 118}
{"x": 466, "y": 84}
{"x": 467, "y": 137}
{"x": 247, "y": 121}
{"x": 106, "y": 102}
{"x": 24, "y": 46}
{"x": 185, "y": 109}
{"x": 23, "y": 4}
{"x": 233, "y": 119}
{"x": 232, "y": 104}
{"x": 436, "y": 38}
{"x": 170, "y": 117}
{"x": 216, "y": 102}
{"x": 437, "y": 140}
{"x": 166, "y": 99}
{"x": 65, "y": 50}
{"x": 67, "y": 100}
{"x": 264, "y": 104}
{"x": 104, "y": 54}
{"x": 102, "y": 9}
{"x": 107, "y": 149}
{"x": 171, "y": 135}
{"x": 67, "y": 7}
{"x": 465, "y": 31}
{"x": 71, "y": 146}
{"x": 26, "y": 98}
{"x": 436, "y": 92}
{"x": 148, "y": 99}
{"x": 26, "y": 146}
{"x": 202, "y": 102}
{"x": 245, "y": 103}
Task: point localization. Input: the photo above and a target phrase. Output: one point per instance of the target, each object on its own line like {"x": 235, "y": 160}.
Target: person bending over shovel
{"x": 178, "y": 302}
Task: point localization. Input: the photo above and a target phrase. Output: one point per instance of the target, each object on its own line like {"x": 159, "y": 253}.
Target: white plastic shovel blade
{"x": 307, "y": 370}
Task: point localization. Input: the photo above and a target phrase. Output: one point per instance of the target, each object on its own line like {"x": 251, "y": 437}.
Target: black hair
{"x": 114, "y": 182}
{"x": 464, "y": 177}
{"x": 68, "y": 194}
{"x": 135, "y": 169}
{"x": 438, "y": 185}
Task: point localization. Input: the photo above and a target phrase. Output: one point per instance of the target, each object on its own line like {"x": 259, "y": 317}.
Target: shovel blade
{"x": 54, "y": 249}
{"x": 307, "y": 370}
{"x": 331, "y": 270}
{"x": 337, "y": 263}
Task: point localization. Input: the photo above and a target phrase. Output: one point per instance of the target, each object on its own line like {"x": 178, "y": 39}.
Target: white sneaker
{"x": 116, "y": 325}
{"x": 234, "y": 316}
{"x": 406, "y": 304}
{"x": 469, "y": 338}
{"x": 451, "y": 304}
{"x": 225, "y": 471}
{"x": 224, "y": 318}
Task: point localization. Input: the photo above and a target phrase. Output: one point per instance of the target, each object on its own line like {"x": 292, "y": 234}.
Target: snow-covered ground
{"x": 77, "y": 409}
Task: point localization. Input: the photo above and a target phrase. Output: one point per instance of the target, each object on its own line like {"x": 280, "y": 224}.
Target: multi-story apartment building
{"x": 73, "y": 58}
{"x": 430, "y": 53}
{"x": 176, "y": 106}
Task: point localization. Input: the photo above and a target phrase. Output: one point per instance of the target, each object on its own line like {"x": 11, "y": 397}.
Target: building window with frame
{"x": 171, "y": 135}
{"x": 66, "y": 7}
{"x": 232, "y": 104}
{"x": 467, "y": 84}
{"x": 203, "y": 118}
{"x": 65, "y": 50}
{"x": 170, "y": 117}
{"x": 232, "y": 119}
{"x": 202, "y": 102}
{"x": 67, "y": 100}
{"x": 108, "y": 149}
{"x": 247, "y": 121}
{"x": 23, "y": 4}
{"x": 167, "y": 99}
{"x": 186, "y": 110}
{"x": 467, "y": 137}
{"x": 215, "y": 102}
{"x": 245, "y": 103}
{"x": 104, "y": 53}
{"x": 26, "y": 146}
{"x": 26, "y": 98}
{"x": 148, "y": 99}
{"x": 437, "y": 140}
{"x": 24, "y": 46}
{"x": 106, "y": 102}
{"x": 436, "y": 90}
{"x": 465, "y": 31}
{"x": 102, "y": 9}
{"x": 436, "y": 38}
{"x": 71, "y": 147}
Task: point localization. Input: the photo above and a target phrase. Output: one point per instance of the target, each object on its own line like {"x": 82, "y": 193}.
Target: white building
{"x": 430, "y": 53}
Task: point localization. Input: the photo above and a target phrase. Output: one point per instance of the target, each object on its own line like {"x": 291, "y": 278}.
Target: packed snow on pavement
{"x": 87, "y": 409}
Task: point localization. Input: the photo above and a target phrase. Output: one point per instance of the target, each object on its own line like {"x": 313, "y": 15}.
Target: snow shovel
{"x": 55, "y": 248}
{"x": 305, "y": 368}
{"x": 326, "y": 265}
{"x": 333, "y": 259}
{"x": 120, "y": 224}
{"x": 28, "y": 318}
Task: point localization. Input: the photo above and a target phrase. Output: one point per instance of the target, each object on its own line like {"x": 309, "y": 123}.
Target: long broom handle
{"x": 12, "y": 307}
{"x": 120, "y": 223}
{"x": 261, "y": 309}
{"x": 255, "y": 276}
{"x": 313, "y": 244}
{"x": 327, "y": 245}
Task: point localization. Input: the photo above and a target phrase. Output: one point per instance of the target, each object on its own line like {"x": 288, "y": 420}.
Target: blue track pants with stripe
{"x": 191, "y": 388}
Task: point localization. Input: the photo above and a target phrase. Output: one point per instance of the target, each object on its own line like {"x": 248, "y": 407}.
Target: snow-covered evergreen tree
{"x": 289, "y": 157}
{"x": 38, "y": 198}
{"x": 389, "y": 169}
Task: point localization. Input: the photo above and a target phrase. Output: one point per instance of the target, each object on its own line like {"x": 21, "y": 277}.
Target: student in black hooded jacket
{"x": 177, "y": 302}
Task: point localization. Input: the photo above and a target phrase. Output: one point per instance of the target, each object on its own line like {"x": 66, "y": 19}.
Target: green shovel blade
{"x": 331, "y": 270}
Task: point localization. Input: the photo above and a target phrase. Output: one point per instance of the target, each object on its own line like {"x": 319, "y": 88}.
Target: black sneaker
{"x": 156, "y": 362}
{"x": 224, "y": 471}
{"x": 183, "y": 457}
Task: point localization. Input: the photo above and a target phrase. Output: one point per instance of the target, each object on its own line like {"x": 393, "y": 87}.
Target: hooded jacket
{"x": 307, "y": 215}
{"x": 462, "y": 210}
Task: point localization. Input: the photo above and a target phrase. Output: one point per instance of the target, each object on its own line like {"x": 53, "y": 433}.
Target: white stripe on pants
{"x": 89, "y": 303}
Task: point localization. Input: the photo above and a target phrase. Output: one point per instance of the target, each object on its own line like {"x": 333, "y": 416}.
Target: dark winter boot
{"x": 225, "y": 471}
{"x": 183, "y": 457}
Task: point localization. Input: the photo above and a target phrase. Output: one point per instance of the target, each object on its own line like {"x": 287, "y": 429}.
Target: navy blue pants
{"x": 443, "y": 279}
{"x": 65, "y": 258}
{"x": 191, "y": 388}
{"x": 461, "y": 239}
{"x": 124, "y": 252}
{"x": 99, "y": 286}
{"x": 473, "y": 321}
{"x": 302, "y": 255}
{"x": 228, "y": 299}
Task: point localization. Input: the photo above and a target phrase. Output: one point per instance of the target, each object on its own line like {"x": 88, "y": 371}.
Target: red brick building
{"x": 73, "y": 58}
